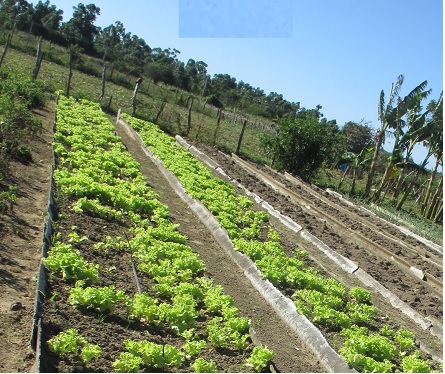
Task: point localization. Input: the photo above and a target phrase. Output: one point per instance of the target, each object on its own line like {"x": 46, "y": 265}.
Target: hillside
{"x": 352, "y": 232}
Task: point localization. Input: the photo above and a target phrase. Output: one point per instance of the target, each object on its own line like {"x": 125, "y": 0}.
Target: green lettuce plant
{"x": 260, "y": 358}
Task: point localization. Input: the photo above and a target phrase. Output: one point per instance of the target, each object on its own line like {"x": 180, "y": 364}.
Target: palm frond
{"x": 415, "y": 97}
{"x": 382, "y": 106}
{"x": 394, "y": 94}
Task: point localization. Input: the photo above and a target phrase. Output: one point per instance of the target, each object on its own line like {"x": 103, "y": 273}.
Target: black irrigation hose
{"x": 36, "y": 331}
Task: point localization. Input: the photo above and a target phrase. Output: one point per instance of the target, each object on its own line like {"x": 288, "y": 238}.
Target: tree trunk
{"x": 436, "y": 210}
{"x": 343, "y": 178}
{"x": 401, "y": 178}
{"x": 430, "y": 186}
{"x": 354, "y": 178}
{"x": 433, "y": 203}
{"x": 389, "y": 186}
{"x": 8, "y": 42}
{"x": 203, "y": 90}
{"x": 39, "y": 58}
{"x": 388, "y": 170}
{"x": 111, "y": 72}
{"x": 439, "y": 215}
{"x": 405, "y": 195}
{"x": 400, "y": 181}
{"x": 241, "y": 137}
{"x": 410, "y": 186}
{"x": 374, "y": 163}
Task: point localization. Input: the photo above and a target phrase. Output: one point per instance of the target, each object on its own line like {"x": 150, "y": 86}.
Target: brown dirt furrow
{"x": 291, "y": 355}
{"x": 21, "y": 232}
{"x": 406, "y": 287}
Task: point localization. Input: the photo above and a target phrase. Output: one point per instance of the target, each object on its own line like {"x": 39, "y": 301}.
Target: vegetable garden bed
{"x": 94, "y": 317}
{"x": 347, "y": 315}
{"x": 125, "y": 309}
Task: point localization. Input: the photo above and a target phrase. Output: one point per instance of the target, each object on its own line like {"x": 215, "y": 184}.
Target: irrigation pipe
{"x": 283, "y": 306}
{"x": 426, "y": 323}
{"x": 36, "y": 331}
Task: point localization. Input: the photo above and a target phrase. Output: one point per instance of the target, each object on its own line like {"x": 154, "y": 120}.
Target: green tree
{"x": 301, "y": 145}
{"x": 358, "y": 135}
{"x": 80, "y": 28}
{"x": 15, "y": 14}
{"x": 162, "y": 64}
{"x": 45, "y": 20}
{"x": 109, "y": 41}
{"x": 134, "y": 54}
{"x": 194, "y": 75}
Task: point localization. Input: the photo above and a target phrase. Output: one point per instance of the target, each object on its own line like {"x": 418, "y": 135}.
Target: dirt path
{"x": 291, "y": 355}
{"x": 20, "y": 249}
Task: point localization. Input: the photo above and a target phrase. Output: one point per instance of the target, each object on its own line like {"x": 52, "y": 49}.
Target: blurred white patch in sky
{"x": 235, "y": 18}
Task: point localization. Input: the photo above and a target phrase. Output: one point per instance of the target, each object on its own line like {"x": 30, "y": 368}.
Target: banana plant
{"x": 393, "y": 116}
{"x": 356, "y": 162}
{"x": 421, "y": 129}
{"x": 390, "y": 116}
{"x": 435, "y": 146}
{"x": 385, "y": 116}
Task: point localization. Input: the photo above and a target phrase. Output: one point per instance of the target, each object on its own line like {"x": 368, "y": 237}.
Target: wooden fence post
{"x": 241, "y": 137}
{"x": 39, "y": 58}
{"x": 189, "y": 116}
{"x": 8, "y": 42}
{"x": 109, "y": 104}
{"x": 164, "y": 102}
{"x": 217, "y": 125}
{"x": 103, "y": 84}
{"x": 135, "y": 92}
{"x": 70, "y": 75}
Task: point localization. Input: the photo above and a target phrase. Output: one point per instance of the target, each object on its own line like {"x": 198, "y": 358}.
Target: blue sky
{"x": 336, "y": 53}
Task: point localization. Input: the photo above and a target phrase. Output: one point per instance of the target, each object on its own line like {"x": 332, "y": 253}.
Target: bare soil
{"x": 21, "y": 230}
{"x": 21, "y": 242}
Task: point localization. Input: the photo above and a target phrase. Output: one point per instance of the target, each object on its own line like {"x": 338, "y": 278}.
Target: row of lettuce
{"x": 105, "y": 181}
{"x": 323, "y": 300}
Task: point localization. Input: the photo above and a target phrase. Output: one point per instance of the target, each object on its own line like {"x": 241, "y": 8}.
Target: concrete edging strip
{"x": 434, "y": 326}
{"x": 283, "y": 306}
{"x": 345, "y": 263}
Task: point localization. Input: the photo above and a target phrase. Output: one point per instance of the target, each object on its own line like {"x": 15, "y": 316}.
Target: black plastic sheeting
{"x": 36, "y": 332}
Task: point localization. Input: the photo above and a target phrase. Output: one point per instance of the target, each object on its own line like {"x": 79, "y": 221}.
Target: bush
{"x": 302, "y": 145}
{"x": 18, "y": 95}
